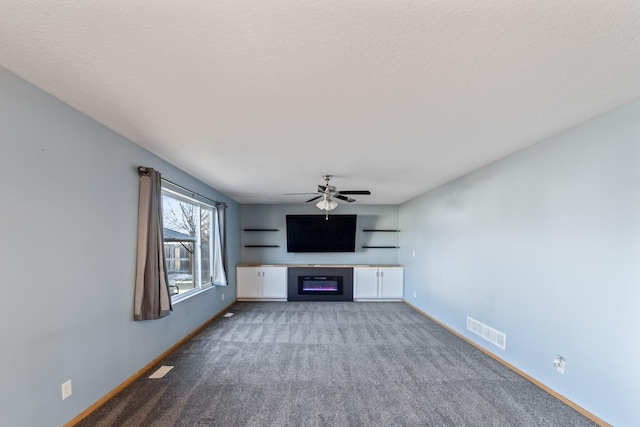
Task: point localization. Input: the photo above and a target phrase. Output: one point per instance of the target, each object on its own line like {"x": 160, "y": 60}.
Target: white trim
{"x": 184, "y": 296}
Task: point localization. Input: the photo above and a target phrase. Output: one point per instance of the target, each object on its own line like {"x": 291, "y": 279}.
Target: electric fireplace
{"x": 320, "y": 284}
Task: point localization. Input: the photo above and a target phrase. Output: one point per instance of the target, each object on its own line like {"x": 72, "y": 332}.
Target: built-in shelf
{"x": 370, "y": 230}
{"x": 261, "y": 246}
{"x": 380, "y": 247}
{"x": 261, "y": 229}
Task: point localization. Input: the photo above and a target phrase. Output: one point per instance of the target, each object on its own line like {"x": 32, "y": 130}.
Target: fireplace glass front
{"x": 320, "y": 285}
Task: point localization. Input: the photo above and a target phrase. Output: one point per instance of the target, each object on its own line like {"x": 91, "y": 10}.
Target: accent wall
{"x": 274, "y": 217}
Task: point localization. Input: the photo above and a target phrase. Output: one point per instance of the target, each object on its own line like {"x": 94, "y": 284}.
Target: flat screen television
{"x": 316, "y": 233}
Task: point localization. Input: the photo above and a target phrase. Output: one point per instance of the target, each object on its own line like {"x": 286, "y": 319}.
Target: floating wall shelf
{"x": 260, "y": 230}
{"x": 381, "y": 230}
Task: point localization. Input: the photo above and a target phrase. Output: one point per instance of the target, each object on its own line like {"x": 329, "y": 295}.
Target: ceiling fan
{"x": 328, "y": 192}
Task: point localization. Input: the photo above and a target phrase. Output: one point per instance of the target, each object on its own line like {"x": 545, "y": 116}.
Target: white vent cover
{"x": 487, "y": 332}
{"x": 161, "y": 372}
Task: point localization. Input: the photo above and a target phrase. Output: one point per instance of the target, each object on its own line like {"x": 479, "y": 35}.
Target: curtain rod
{"x": 142, "y": 169}
{"x": 193, "y": 192}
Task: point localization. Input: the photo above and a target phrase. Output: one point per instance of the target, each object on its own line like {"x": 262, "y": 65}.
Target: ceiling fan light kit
{"x": 327, "y": 204}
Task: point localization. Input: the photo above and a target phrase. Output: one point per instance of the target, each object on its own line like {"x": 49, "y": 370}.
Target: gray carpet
{"x": 331, "y": 364}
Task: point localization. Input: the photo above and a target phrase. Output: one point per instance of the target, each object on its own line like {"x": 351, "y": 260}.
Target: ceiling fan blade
{"x": 296, "y": 194}
{"x": 363, "y": 192}
{"x": 315, "y": 198}
{"x": 345, "y": 198}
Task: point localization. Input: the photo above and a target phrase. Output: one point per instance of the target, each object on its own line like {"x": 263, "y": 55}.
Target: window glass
{"x": 206, "y": 250}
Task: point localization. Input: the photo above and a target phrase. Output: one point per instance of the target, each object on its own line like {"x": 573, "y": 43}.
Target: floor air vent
{"x": 487, "y": 332}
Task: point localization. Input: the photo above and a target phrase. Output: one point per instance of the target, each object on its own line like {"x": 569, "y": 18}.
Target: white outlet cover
{"x": 560, "y": 367}
{"x": 66, "y": 389}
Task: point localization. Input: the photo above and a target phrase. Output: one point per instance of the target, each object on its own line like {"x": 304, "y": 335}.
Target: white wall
{"x": 274, "y": 216}
{"x": 68, "y": 229}
{"x": 544, "y": 246}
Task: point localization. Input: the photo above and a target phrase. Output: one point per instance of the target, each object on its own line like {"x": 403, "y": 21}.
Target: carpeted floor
{"x": 331, "y": 364}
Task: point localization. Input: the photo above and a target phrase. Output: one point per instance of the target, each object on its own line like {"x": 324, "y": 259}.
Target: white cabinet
{"x": 262, "y": 282}
{"x": 274, "y": 282}
{"x": 365, "y": 282}
{"x": 373, "y": 283}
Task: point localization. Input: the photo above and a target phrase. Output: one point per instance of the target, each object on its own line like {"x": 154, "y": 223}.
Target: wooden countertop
{"x": 319, "y": 265}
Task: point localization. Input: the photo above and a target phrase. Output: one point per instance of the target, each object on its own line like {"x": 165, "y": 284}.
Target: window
{"x": 188, "y": 242}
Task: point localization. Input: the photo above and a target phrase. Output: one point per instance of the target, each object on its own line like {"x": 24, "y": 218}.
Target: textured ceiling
{"x": 261, "y": 98}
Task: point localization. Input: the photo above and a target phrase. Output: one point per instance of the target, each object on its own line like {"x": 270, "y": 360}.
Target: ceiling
{"x": 258, "y": 98}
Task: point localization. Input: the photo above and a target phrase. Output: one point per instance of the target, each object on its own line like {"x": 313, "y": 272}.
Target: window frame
{"x": 196, "y": 273}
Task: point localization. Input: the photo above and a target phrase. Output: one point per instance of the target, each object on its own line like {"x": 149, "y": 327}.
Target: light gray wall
{"x": 274, "y": 216}
{"x": 68, "y": 227}
{"x": 544, "y": 246}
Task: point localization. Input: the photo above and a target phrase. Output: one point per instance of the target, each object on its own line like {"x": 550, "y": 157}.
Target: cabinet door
{"x": 274, "y": 282}
{"x": 248, "y": 279}
{"x": 391, "y": 282}
{"x": 365, "y": 282}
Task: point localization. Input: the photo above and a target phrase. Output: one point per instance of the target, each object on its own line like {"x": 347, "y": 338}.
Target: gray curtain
{"x": 152, "y": 300}
{"x": 220, "y": 242}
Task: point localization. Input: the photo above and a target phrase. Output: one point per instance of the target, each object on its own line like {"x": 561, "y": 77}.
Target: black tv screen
{"x": 316, "y": 233}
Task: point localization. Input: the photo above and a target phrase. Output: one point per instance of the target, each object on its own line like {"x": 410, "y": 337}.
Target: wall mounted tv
{"x": 316, "y": 233}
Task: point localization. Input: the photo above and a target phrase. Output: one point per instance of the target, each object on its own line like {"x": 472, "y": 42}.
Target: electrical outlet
{"x": 66, "y": 389}
{"x": 414, "y": 254}
{"x": 222, "y": 297}
{"x": 414, "y": 294}
{"x": 559, "y": 362}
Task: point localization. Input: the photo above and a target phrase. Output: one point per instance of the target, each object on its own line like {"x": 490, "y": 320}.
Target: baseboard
{"x": 552, "y": 392}
{"x": 142, "y": 371}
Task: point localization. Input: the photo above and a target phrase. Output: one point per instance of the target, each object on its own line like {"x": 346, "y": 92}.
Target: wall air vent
{"x": 487, "y": 332}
